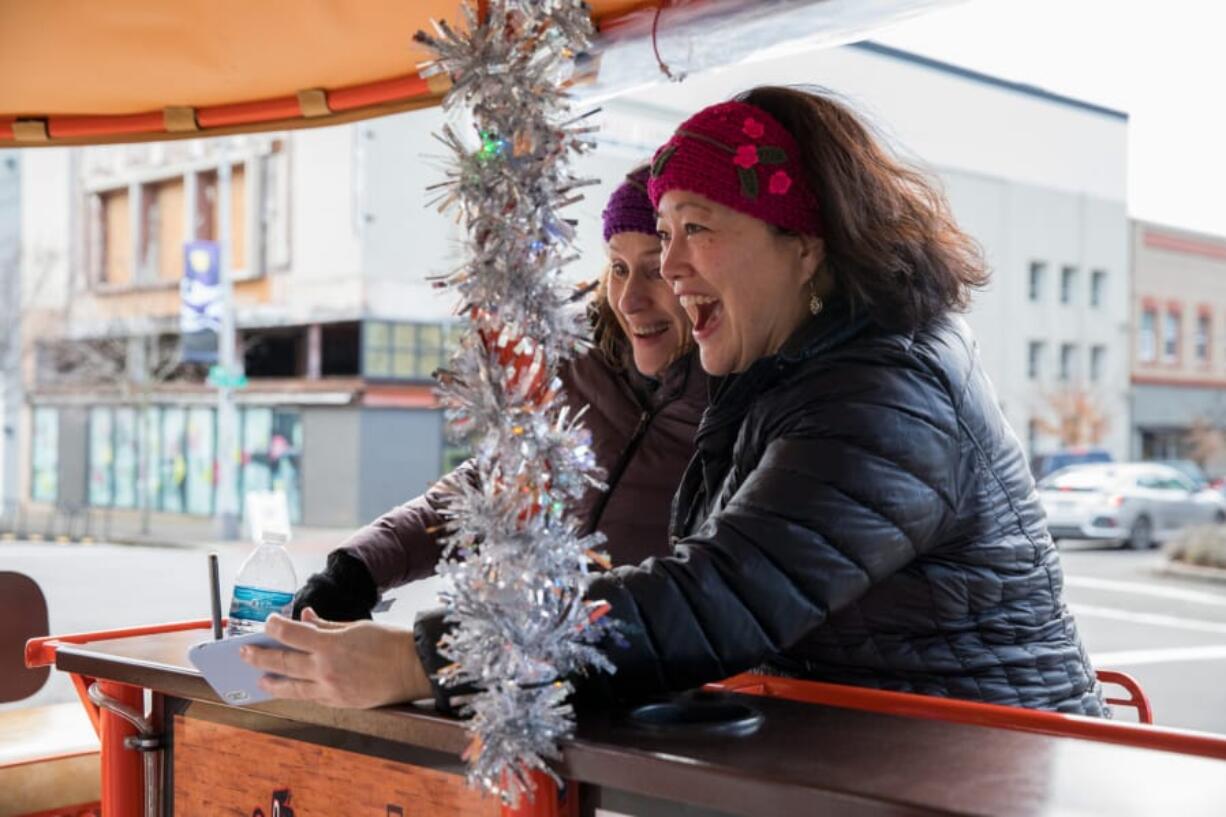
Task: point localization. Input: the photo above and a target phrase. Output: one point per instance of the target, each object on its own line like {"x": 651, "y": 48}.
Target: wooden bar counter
{"x": 307, "y": 760}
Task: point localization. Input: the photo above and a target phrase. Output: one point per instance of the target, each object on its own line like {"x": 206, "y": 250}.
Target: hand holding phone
{"x": 233, "y": 679}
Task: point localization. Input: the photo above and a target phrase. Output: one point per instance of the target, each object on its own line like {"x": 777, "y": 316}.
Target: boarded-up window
{"x": 207, "y": 212}
{"x": 161, "y": 255}
{"x": 116, "y": 267}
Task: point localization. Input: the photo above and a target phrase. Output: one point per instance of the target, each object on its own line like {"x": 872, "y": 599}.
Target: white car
{"x": 1139, "y": 504}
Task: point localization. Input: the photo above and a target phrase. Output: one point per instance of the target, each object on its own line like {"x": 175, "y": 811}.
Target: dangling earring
{"x": 815, "y": 304}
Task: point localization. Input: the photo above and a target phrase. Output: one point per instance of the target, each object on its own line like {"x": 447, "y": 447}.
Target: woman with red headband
{"x": 858, "y": 510}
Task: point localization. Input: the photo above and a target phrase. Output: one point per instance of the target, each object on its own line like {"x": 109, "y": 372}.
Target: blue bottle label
{"x": 255, "y": 604}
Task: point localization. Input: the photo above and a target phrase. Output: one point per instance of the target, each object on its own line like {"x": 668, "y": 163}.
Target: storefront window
{"x": 151, "y": 472}
{"x": 200, "y": 461}
{"x": 272, "y": 455}
{"x": 101, "y": 457}
{"x": 174, "y": 460}
{"x": 45, "y": 455}
{"x": 125, "y": 458}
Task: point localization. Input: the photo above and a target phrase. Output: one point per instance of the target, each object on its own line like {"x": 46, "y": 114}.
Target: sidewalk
{"x": 165, "y": 530}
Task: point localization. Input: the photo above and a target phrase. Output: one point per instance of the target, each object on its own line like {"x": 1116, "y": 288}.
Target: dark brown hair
{"x": 891, "y": 242}
{"x": 607, "y": 335}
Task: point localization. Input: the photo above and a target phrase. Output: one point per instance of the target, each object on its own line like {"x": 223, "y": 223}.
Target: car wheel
{"x": 1141, "y": 537}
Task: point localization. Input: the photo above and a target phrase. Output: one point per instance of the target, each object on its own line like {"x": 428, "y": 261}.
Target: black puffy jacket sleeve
{"x": 857, "y": 480}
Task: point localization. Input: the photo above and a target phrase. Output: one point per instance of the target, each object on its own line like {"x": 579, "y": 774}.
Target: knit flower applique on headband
{"x": 745, "y": 157}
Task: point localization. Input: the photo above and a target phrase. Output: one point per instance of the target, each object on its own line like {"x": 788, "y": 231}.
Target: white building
{"x": 1038, "y": 179}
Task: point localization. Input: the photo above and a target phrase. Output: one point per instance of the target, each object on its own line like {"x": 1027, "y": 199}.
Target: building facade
{"x": 338, "y": 335}
{"x": 1179, "y": 350}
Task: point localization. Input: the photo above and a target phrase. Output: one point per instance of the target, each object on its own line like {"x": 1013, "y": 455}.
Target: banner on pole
{"x": 200, "y": 303}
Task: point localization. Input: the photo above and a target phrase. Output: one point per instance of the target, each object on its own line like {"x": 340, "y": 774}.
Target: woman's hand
{"x": 357, "y": 665}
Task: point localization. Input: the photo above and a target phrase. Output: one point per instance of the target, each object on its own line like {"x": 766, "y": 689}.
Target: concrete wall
{"x": 404, "y": 241}
{"x": 401, "y": 455}
{"x": 330, "y": 466}
{"x": 1017, "y": 224}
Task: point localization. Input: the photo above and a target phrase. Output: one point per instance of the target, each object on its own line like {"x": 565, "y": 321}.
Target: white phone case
{"x": 232, "y": 678}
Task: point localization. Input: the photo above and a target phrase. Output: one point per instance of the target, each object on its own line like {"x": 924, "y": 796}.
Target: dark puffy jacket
{"x": 859, "y": 512}
{"x": 642, "y": 435}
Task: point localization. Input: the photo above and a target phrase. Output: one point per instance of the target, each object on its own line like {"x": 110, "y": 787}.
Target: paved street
{"x": 1168, "y": 633}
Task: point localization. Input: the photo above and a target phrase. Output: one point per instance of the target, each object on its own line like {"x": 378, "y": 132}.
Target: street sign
{"x": 222, "y": 378}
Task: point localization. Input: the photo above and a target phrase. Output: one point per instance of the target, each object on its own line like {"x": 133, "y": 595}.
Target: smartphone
{"x": 233, "y": 679}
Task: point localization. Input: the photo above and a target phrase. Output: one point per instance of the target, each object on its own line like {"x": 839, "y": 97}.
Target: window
{"x": 101, "y": 458}
{"x": 125, "y": 470}
{"x": 1171, "y": 329}
{"x": 1204, "y": 330}
{"x": 114, "y": 238}
{"x": 45, "y": 456}
{"x": 201, "y": 454}
{"x": 272, "y": 455}
{"x": 1034, "y": 360}
{"x": 1147, "y": 336}
{"x": 207, "y": 207}
{"x": 1098, "y": 363}
{"x": 1037, "y": 270}
{"x": 173, "y": 478}
{"x": 1068, "y": 281}
{"x": 161, "y": 231}
{"x": 1068, "y": 361}
{"x": 1098, "y": 286}
{"x": 404, "y": 351}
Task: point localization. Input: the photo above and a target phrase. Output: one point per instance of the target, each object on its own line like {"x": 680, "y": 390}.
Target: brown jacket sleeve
{"x": 403, "y": 545}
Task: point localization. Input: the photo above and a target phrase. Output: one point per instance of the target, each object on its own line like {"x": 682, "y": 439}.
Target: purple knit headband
{"x": 629, "y": 210}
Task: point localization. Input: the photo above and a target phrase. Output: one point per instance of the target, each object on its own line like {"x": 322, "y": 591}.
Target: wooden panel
{"x": 238, "y": 217}
{"x": 222, "y": 769}
{"x": 117, "y": 258}
{"x": 170, "y": 229}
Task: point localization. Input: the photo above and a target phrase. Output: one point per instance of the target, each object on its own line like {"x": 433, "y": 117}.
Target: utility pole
{"x": 227, "y": 414}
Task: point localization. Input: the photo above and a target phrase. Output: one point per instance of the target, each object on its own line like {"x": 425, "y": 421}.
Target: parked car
{"x": 1138, "y": 504}
{"x": 1189, "y": 469}
{"x": 1046, "y": 464}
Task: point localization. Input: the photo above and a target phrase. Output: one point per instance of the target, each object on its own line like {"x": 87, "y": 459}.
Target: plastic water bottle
{"x": 265, "y": 584}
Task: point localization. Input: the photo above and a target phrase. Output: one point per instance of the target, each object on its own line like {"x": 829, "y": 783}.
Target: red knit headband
{"x": 741, "y": 157}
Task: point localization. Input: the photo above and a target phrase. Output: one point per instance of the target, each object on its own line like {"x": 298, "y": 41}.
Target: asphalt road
{"x": 1169, "y": 633}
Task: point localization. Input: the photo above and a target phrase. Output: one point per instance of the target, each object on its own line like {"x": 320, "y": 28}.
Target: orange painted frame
{"x": 956, "y": 711}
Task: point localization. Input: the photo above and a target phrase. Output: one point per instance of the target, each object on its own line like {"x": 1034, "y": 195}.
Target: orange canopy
{"x": 84, "y": 71}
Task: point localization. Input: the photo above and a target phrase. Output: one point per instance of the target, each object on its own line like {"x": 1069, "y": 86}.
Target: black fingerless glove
{"x": 427, "y": 630}
{"x": 344, "y": 591}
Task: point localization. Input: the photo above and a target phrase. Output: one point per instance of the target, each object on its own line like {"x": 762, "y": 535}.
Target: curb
{"x": 1186, "y": 571}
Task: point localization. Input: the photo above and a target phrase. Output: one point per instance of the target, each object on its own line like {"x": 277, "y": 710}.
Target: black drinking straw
{"x": 215, "y": 595}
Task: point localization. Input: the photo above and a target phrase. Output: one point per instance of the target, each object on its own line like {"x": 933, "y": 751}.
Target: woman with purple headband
{"x": 645, "y": 393}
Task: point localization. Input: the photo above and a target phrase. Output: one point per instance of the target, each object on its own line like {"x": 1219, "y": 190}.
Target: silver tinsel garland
{"x": 515, "y": 566}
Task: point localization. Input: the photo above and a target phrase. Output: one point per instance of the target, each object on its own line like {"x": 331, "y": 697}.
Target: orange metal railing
{"x": 1003, "y": 717}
